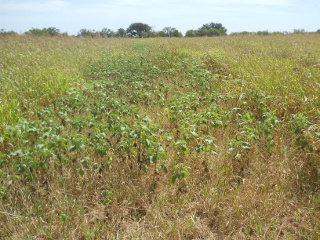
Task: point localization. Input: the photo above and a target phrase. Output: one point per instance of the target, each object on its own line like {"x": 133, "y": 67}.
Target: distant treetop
{"x": 142, "y": 30}
{"x": 208, "y": 29}
{"x": 139, "y": 30}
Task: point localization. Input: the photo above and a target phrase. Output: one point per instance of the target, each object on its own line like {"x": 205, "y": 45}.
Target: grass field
{"x": 189, "y": 138}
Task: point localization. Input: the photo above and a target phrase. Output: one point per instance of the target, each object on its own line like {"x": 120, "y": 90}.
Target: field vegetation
{"x": 162, "y": 138}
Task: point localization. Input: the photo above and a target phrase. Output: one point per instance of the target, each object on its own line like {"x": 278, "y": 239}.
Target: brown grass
{"x": 263, "y": 194}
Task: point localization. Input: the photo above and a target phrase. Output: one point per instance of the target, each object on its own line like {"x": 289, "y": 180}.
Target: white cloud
{"x": 36, "y": 6}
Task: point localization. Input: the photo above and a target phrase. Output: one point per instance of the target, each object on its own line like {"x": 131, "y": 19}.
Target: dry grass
{"x": 260, "y": 179}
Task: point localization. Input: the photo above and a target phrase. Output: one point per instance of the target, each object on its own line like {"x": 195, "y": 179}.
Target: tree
{"x": 169, "y": 32}
{"x": 212, "y": 29}
{"x": 212, "y": 25}
{"x": 266, "y": 32}
{"x": 121, "y": 32}
{"x": 9, "y": 33}
{"x": 241, "y": 33}
{"x": 299, "y": 31}
{"x": 214, "y": 32}
{"x": 191, "y": 33}
{"x": 318, "y": 31}
{"x": 51, "y": 31}
{"x": 35, "y": 32}
{"x": 106, "y": 33}
{"x": 208, "y": 29}
{"x": 87, "y": 33}
{"x": 139, "y": 30}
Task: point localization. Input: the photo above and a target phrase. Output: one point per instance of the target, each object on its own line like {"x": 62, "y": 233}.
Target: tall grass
{"x": 286, "y": 66}
{"x": 202, "y": 138}
{"x": 37, "y": 70}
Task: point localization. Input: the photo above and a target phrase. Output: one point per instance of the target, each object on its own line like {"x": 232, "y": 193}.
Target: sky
{"x": 236, "y": 15}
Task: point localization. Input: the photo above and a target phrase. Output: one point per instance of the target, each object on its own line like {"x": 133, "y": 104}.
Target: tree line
{"x": 142, "y": 30}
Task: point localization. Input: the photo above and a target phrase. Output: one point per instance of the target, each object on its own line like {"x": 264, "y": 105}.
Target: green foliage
{"x": 169, "y": 32}
{"x": 180, "y": 173}
{"x": 51, "y": 31}
{"x": 264, "y": 33}
{"x": 91, "y": 33}
{"x": 88, "y": 33}
{"x": 106, "y": 32}
{"x": 7, "y": 33}
{"x": 140, "y": 30}
{"x": 220, "y": 30}
{"x": 226, "y": 121}
{"x": 191, "y": 33}
{"x": 261, "y": 33}
{"x": 107, "y": 197}
{"x": 121, "y": 32}
{"x": 210, "y": 29}
{"x": 299, "y": 31}
{"x": 298, "y": 123}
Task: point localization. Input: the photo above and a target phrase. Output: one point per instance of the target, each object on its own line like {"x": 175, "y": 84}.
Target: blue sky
{"x": 236, "y": 15}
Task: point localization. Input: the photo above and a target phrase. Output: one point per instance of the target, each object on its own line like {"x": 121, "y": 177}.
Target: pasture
{"x": 189, "y": 138}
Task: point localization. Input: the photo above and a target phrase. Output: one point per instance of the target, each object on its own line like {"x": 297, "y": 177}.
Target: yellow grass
{"x": 237, "y": 117}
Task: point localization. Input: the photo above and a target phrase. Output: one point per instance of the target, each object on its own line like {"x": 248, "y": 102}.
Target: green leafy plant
{"x": 180, "y": 173}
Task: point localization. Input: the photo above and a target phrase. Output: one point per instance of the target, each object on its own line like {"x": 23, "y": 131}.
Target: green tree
{"x": 169, "y": 32}
{"x": 35, "y": 32}
{"x": 299, "y": 31}
{"x": 121, "y": 32}
{"x": 212, "y": 25}
{"x": 318, "y": 31}
{"x": 266, "y": 32}
{"x": 279, "y": 33}
{"x": 208, "y": 29}
{"x": 140, "y": 30}
{"x": 7, "y": 33}
{"x": 241, "y": 33}
{"x": 87, "y": 33}
{"x": 214, "y": 32}
{"x": 51, "y": 31}
{"x": 212, "y": 29}
{"x": 106, "y": 33}
{"x": 192, "y": 33}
